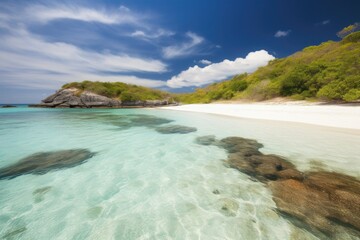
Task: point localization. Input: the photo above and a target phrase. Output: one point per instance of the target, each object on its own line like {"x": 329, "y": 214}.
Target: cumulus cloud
{"x": 281, "y": 33}
{"x": 47, "y": 13}
{"x": 205, "y": 62}
{"x": 184, "y": 49}
{"x": 198, "y": 76}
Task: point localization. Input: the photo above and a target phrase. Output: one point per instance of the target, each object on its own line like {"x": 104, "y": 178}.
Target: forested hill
{"x": 330, "y": 71}
{"x": 118, "y": 90}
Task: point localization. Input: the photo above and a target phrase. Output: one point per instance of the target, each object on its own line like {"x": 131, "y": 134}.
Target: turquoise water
{"x": 142, "y": 184}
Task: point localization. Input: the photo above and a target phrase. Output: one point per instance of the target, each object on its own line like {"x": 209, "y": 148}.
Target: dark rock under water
{"x": 43, "y": 162}
{"x": 324, "y": 203}
{"x": 139, "y": 120}
{"x": 148, "y": 120}
{"x": 14, "y": 234}
{"x": 172, "y": 129}
{"x": 39, "y": 193}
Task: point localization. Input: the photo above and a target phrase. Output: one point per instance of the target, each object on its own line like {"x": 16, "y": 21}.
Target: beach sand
{"x": 340, "y": 116}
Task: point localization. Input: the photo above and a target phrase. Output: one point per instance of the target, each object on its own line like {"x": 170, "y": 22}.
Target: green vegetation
{"x": 348, "y": 30}
{"x": 330, "y": 71}
{"x": 117, "y": 90}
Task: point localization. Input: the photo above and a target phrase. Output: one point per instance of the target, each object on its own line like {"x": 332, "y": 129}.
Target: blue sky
{"x": 167, "y": 44}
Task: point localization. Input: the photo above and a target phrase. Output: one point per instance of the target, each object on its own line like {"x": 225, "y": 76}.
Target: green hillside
{"x": 330, "y": 71}
{"x": 117, "y": 90}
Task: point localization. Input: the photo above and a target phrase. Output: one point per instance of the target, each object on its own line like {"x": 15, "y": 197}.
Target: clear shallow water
{"x": 145, "y": 185}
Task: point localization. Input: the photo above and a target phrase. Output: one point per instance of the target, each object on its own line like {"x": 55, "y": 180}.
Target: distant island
{"x": 88, "y": 94}
{"x": 328, "y": 72}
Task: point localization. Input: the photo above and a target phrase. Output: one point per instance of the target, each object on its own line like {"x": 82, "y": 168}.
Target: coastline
{"x": 339, "y": 116}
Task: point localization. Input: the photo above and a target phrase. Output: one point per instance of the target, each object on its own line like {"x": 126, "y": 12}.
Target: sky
{"x": 173, "y": 45}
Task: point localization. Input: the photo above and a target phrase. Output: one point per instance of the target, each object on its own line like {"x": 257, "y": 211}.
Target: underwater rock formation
{"x": 43, "y": 162}
{"x": 172, "y": 129}
{"x": 325, "y": 203}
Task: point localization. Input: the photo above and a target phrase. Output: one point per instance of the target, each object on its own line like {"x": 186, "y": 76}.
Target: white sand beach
{"x": 340, "y": 116}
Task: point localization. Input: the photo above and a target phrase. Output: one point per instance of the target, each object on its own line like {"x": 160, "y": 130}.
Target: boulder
{"x": 62, "y": 96}
{"x": 90, "y": 100}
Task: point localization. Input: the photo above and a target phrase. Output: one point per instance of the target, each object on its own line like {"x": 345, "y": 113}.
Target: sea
{"x": 146, "y": 183}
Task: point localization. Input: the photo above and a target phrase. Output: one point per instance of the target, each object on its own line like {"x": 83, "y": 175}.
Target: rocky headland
{"x": 76, "y": 98}
{"x": 8, "y": 106}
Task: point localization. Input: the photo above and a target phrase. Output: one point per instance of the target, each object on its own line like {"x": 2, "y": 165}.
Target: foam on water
{"x": 142, "y": 184}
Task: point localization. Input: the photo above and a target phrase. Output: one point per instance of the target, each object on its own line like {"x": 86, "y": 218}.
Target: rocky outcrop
{"x": 75, "y": 98}
{"x": 325, "y": 203}
{"x": 8, "y": 106}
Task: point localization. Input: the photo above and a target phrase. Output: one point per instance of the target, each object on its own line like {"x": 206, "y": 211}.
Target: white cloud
{"x": 197, "y": 76}
{"x": 123, "y": 8}
{"x": 39, "y": 80}
{"x": 28, "y": 60}
{"x": 151, "y": 35}
{"x": 205, "y": 62}
{"x": 33, "y": 47}
{"x": 325, "y": 22}
{"x": 281, "y": 33}
{"x": 183, "y": 49}
{"x": 47, "y": 13}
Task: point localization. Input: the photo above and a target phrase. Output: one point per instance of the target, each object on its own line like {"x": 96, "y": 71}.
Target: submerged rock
{"x": 39, "y": 193}
{"x": 14, "y": 234}
{"x": 228, "y": 206}
{"x": 240, "y": 145}
{"x": 148, "y": 121}
{"x": 330, "y": 210}
{"x": 325, "y": 203}
{"x": 206, "y": 140}
{"x": 172, "y": 129}
{"x": 216, "y": 192}
{"x": 43, "y": 162}
{"x": 94, "y": 212}
{"x": 140, "y": 120}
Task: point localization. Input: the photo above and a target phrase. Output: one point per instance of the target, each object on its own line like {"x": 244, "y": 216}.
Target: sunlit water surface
{"x": 142, "y": 184}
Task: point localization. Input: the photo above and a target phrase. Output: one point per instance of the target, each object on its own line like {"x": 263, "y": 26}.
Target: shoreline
{"x": 338, "y": 116}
